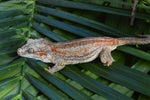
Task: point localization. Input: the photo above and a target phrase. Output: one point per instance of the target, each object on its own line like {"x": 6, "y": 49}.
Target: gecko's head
{"x": 35, "y": 48}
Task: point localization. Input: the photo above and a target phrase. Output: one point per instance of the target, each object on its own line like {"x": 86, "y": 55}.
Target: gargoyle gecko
{"x": 76, "y": 51}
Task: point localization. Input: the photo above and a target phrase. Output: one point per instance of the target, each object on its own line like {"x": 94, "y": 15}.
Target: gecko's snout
{"x": 19, "y": 51}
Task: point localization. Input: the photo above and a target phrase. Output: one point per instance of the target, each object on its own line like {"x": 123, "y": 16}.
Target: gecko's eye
{"x": 30, "y": 50}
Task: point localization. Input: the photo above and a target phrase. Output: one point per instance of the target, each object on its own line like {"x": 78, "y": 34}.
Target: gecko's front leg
{"x": 55, "y": 68}
{"x": 106, "y": 57}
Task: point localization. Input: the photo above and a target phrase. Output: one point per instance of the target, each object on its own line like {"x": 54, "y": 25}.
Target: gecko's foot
{"x": 55, "y": 68}
{"x": 106, "y": 57}
{"x": 108, "y": 62}
{"x": 49, "y": 70}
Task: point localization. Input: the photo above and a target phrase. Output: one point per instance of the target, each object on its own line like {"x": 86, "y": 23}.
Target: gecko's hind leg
{"x": 55, "y": 68}
{"x": 106, "y": 57}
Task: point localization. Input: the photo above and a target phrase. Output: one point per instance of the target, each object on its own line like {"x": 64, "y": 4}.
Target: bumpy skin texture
{"x": 76, "y": 51}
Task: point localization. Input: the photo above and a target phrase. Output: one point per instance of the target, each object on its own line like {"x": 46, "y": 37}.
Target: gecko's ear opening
{"x": 30, "y": 41}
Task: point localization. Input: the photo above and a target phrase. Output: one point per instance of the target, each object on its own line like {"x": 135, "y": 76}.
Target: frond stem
{"x": 30, "y": 19}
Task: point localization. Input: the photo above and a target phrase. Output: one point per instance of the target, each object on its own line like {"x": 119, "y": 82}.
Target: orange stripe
{"x": 54, "y": 49}
{"x": 99, "y": 43}
{"x": 41, "y": 54}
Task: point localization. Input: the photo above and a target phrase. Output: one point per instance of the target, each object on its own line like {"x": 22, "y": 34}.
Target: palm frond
{"x": 62, "y": 20}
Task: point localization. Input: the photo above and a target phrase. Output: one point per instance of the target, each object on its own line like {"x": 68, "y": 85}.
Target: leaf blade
{"x": 48, "y": 90}
{"x": 68, "y": 89}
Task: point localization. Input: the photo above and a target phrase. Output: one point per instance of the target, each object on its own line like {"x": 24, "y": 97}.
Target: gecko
{"x": 76, "y": 51}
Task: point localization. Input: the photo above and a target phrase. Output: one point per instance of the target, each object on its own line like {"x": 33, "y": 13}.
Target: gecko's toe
{"x": 108, "y": 62}
{"x": 49, "y": 70}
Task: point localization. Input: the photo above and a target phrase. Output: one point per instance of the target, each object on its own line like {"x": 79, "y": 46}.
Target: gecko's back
{"x": 83, "y": 50}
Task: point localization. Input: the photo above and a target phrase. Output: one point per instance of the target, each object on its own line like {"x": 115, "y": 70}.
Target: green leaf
{"x": 7, "y": 33}
{"x": 11, "y": 43}
{"x": 48, "y": 90}
{"x": 7, "y": 56}
{"x": 95, "y": 86}
{"x": 10, "y": 13}
{"x": 135, "y": 52}
{"x": 122, "y": 75}
{"x": 62, "y": 20}
{"x": 64, "y": 26}
{"x": 8, "y": 85}
{"x": 48, "y": 33}
{"x": 12, "y": 21}
{"x": 10, "y": 70}
{"x": 71, "y": 91}
{"x": 13, "y": 4}
{"x": 28, "y": 96}
{"x": 82, "y": 6}
{"x": 81, "y": 20}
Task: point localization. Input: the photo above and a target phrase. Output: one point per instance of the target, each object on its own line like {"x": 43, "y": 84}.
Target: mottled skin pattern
{"x": 76, "y": 51}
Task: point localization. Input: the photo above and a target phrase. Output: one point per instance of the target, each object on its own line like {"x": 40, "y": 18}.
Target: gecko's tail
{"x": 145, "y": 39}
{"x": 144, "y": 36}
